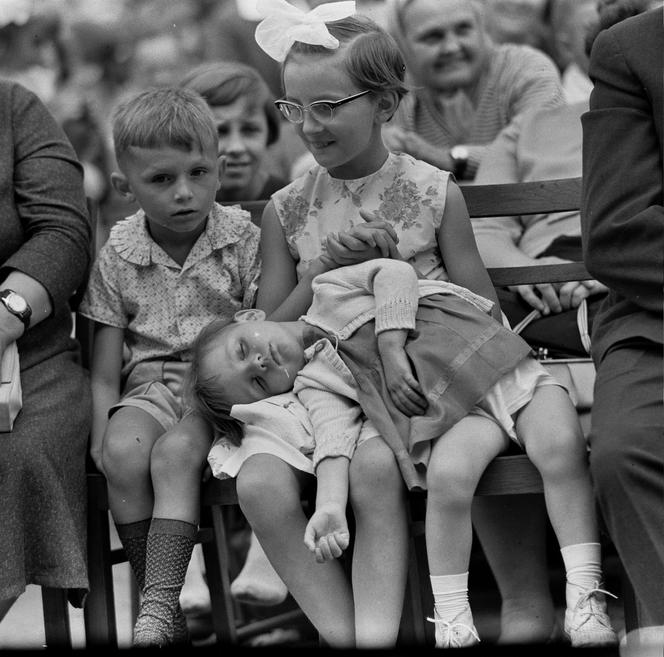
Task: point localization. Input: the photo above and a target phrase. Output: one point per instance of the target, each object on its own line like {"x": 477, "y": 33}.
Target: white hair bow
{"x": 285, "y": 24}
{"x": 15, "y": 11}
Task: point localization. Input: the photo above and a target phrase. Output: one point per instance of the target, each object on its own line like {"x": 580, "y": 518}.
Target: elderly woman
{"x": 44, "y": 256}
{"x": 466, "y": 88}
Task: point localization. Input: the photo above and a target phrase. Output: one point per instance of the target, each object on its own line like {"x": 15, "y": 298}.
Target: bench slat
{"x": 573, "y": 271}
{"x": 560, "y": 195}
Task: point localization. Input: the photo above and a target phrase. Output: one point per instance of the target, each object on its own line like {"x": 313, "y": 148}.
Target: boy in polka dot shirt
{"x": 165, "y": 272}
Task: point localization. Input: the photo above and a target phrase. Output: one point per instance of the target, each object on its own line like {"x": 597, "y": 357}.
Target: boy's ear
{"x": 121, "y": 185}
{"x": 249, "y": 315}
{"x": 386, "y": 106}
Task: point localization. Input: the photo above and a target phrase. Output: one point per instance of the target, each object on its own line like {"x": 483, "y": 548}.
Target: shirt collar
{"x": 132, "y": 241}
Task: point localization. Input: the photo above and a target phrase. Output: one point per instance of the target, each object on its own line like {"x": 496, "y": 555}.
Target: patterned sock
{"x": 134, "y": 538}
{"x": 169, "y": 547}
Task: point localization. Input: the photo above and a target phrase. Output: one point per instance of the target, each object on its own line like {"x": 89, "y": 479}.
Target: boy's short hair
{"x": 163, "y": 116}
{"x": 222, "y": 83}
{"x": 373, "y": 59}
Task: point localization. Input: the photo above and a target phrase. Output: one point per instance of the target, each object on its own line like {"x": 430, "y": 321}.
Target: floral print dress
{"x": 408, "y": 193}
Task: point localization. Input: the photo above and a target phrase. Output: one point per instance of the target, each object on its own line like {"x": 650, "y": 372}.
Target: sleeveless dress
{"x": 407, "y": 193}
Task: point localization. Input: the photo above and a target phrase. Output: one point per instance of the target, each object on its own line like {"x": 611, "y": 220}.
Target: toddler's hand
{"x": 326, "y": 534}
{"x": 404, "y": 388}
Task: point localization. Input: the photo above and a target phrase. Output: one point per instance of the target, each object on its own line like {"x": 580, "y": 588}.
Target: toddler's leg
{"x": 550, "y": 431}
{"x": 380, "y": 552}
{"x": 457, "y": 462}
{"x": 269, "y": 494}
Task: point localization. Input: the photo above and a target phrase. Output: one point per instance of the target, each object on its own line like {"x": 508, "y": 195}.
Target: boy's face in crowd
{"x": 174, "y": 187}
{"x": 448, "y": 42}
{"x": 252, "y": 360}
{"x": 242, "y": 131}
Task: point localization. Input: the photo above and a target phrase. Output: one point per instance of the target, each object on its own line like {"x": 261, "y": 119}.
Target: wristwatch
{"x": 459, "y": 155}
{"x": 17, "y": 306}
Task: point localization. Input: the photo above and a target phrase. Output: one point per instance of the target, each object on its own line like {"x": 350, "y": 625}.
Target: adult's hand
{"x": 11, "y": 329}
{"x": 549, "y": 298}
{"x": 399, "y": 140}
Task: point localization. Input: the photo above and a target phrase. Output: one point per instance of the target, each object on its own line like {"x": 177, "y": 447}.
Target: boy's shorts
{"x": 156, "y": 387}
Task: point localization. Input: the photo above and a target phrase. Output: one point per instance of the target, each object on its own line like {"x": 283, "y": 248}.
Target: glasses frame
{"x": 333, "y": 104}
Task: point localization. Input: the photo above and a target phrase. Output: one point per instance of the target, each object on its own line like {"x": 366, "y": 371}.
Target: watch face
{"x": 16, "y": 303}
{"x": 459, "y": 153}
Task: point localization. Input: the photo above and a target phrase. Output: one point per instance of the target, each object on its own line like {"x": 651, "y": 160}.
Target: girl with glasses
{"x": 358, "y": 202}
{"x": 355, "y": 204}
{"x": 343, "y": 79}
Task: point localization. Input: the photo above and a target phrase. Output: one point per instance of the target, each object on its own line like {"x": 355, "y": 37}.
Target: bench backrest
{"x": 512, "y": 199}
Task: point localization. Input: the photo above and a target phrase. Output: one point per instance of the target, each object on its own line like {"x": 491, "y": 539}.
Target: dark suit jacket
{"x": 622, "y": 213}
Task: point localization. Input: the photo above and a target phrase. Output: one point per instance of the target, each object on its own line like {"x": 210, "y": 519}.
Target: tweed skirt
{"x": 43, "y": 482}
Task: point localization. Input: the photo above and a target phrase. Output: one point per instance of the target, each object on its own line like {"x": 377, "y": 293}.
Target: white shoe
{"x": 457, "y": 633}
{"x": 588, "y": 623}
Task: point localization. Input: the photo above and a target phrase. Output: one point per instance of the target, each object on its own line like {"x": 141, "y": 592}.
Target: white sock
{"x": 583, "y": 569}
{"x": 258, "y": 582}
{"x": 450, "y": 594}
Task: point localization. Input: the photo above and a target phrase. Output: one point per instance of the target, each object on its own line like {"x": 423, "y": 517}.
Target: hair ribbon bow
{"x": 285, "y": 24}
{"x": 15, "y": 11}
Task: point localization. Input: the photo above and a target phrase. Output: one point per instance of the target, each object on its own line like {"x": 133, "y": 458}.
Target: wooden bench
{"x": 507, "y": 475}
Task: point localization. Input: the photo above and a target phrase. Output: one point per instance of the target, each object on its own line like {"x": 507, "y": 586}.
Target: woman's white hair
{"x": 394, "y": 14}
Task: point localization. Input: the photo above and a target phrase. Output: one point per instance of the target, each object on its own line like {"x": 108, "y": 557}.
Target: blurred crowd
{"x": 82, "y": 56}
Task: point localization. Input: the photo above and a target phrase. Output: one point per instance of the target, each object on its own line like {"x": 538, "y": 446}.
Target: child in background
{"x": 164, "y": 273}
{"x": 247, "y": 124}
{"x": 378, "y": 343}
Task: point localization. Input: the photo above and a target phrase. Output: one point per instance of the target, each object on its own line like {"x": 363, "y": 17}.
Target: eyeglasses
{"x": 321, "y": 110}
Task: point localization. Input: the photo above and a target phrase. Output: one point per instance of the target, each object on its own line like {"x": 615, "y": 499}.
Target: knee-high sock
{"x": 169, "y": 547}
{"x": 134, "y": 538}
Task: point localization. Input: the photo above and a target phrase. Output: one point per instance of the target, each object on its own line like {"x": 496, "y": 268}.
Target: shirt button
{"x": 319, "y": 347}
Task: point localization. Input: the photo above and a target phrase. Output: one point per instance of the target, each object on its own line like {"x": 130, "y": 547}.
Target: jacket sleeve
{"x": 622, "y": 217}
{"x": 335, "y": 414}
{"x": 50, "y": 198}
{"x": 391, "y": 284}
